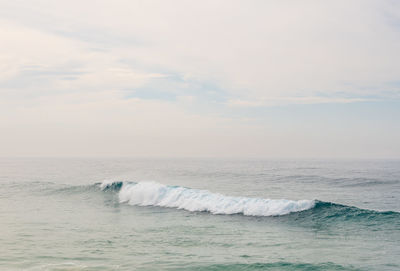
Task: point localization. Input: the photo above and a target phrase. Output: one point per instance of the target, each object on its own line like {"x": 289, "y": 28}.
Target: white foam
{"x": 155, "y": 194}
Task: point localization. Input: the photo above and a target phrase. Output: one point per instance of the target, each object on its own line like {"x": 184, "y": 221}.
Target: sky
{"x": 229, "y": 79}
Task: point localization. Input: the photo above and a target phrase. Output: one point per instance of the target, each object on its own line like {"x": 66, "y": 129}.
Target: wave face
{"x": 193, "y": 200}
{"x": 110, "y": 185}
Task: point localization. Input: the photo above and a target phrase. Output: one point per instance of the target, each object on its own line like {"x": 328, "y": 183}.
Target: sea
{"x": 199, "y": 214}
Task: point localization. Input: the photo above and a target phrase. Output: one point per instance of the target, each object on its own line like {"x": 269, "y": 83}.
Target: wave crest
{"x": 194, "y": 200}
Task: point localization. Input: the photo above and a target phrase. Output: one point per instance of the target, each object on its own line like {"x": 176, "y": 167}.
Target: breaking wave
{"x": 194, "y": 200}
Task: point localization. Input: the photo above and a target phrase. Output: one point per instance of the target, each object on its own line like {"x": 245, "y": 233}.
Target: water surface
{"x": 188, "y": 214}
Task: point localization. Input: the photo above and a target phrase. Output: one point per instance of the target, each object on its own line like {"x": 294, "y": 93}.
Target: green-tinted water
{"x": 53, "y": 215}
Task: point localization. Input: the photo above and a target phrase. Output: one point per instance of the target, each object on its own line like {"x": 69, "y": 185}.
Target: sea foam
{"x": 156, "y": 194}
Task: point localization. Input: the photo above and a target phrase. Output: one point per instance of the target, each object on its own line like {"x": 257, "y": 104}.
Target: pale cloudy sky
{"x": 200, "y": 78}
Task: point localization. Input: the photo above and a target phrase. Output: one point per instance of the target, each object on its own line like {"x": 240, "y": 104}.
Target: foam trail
{"x": 155, "y": 194}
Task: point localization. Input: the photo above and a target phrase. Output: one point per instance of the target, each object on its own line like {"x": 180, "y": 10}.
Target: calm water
{"x": 88, "y": 214}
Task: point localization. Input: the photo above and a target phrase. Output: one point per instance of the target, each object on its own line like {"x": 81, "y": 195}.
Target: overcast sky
{"x": 200, "y": 78}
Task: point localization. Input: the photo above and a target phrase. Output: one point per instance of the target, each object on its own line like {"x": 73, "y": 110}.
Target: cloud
{"x": 36, "y": 63}
{"x": 252, "y": 50}
{"x": 274, "y": 101}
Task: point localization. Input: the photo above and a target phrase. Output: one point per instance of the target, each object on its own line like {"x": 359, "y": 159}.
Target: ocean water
{"x": 199, "y": 214}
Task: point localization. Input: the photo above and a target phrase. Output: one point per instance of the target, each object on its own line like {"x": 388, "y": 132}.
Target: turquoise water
{"x": 182, "y": 214}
